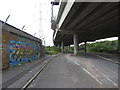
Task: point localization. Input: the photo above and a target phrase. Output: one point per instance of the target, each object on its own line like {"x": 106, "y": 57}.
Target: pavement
{"x": 83, "y": 71}
{"x": 105, "y": 56}
{"x": 64, "y": 71}
{"x": 16, "y": 77}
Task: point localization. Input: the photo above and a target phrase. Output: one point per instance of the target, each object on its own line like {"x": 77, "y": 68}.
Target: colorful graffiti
{"x": 21, "y": 52}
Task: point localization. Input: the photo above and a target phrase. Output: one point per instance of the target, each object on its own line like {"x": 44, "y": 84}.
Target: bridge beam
{"x": 76, "y": 44}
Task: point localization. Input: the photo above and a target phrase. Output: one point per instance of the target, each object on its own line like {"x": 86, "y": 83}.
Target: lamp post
{"x": 23, "y": 27}
{"x": 43, "y": 45}
{"x": 6, "y": 21}
{"x": 34, "y": 34}
{"x": 43, "y": 41}
{"x": 20, "y": 34}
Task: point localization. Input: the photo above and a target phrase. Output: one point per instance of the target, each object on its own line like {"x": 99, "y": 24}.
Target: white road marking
{"x": 34, "y": 76}
{"x": 96, "y": 69}
{"x": 31, "y": 86}
{"x": 100, "y": 72}
{"x": 110, "y": 80}
{"x": 76, "y": 63}
{"x": 105, "y": 58}
{"x": 97, "y": 75}
{"x": 30, "y": 71}
{"x": 92, "y": 76}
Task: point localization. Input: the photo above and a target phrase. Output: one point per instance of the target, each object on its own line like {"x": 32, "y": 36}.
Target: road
{"x": 83, "y": 71}
{"x": 18, "y": 76}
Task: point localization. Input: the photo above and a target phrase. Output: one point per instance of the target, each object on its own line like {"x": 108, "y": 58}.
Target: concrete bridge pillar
{"x": 76, "y": 44}
{"x": 119, "y": 43}
{"x": 85, "y": 46}
{"x": 62, "y": 47}
{"x": 69, "y": 48}
{"x": 58, "y": 46}
{"x": 119, "y": 47}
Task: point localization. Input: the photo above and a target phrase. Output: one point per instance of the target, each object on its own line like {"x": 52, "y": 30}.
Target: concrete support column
{"x": 62, "y": 47}
{"x": 76, "y": 44}
{"x": 1, "y": 51}
{"x": 58, "y": 46}
{"x": 85, "y": 46}
{"x": 69, "y": 48}
{"x": 119, "y": 43}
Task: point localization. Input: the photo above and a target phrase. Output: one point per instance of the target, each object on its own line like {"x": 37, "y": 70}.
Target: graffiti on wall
{"x": 21, "y": 52}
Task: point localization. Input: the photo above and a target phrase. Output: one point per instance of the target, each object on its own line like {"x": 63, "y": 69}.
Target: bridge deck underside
{"x": 91, "y": 21}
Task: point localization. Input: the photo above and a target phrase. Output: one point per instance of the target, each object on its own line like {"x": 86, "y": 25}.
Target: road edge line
{"x": 107, "y": 59}
{"x": 38, "y": 72}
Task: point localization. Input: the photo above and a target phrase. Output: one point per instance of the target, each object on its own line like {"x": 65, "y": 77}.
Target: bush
{"x": 51, "y": 50}
{"x": 104, "y": 46}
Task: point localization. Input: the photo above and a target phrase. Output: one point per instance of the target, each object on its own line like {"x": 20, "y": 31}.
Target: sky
{"x": 34, "y": 14}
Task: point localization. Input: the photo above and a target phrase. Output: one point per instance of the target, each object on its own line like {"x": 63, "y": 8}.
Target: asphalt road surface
{"x": 17, "y": 77}
{"x": 83, "y": 71}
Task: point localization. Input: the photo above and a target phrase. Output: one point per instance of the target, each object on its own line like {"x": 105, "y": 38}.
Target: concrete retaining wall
{"x": 19, "y": 47}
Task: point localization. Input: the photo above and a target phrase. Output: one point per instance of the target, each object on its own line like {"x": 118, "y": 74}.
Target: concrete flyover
{"x": 79, "y": 22}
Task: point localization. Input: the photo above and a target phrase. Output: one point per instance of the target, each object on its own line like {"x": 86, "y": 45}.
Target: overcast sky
{"x": 34, "y": 14}
{"x": 27, "y": 12}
